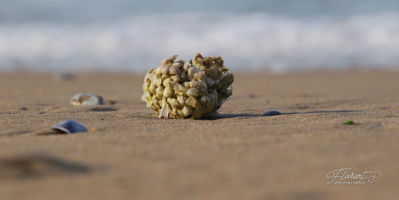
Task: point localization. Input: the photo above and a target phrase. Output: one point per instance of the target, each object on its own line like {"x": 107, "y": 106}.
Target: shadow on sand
{"x": 35, "y": 165}
{"x": 251, "y": 115}
{"x": 247, "y": 115}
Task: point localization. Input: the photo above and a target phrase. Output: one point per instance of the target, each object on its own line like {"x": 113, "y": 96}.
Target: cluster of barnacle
{"x": 194, "y": 89}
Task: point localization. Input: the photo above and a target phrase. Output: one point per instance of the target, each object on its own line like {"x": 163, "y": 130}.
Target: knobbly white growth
{"x": 195, "y": 89}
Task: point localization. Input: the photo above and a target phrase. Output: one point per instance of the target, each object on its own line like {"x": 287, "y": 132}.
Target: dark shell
{"x": 271, "y": 113}
{"x": 69, "y": 126}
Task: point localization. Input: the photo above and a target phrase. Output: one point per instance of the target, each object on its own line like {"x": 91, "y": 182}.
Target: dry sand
{"x": 134, "y": 155}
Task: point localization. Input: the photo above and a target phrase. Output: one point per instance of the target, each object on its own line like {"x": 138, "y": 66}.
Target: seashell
{"x": 164, "y": 69}
{"x": 166, "y": 82}
{"x": 186, "y": 66}
{"x": 173, "y": 102}
{"x": 152, "y": 89}
{"x": 159, "y": 91}
{"x": 179, "y": 62}
{"x": 186, "y": 111}
{"x": 85, "y": 98}
{"x": 200, "y": 75}
{"x": 194, "y": 92}
{"x": 174, "y": 69}
{"x": 69, "y": 127}
{"x": 175, "y": 79}
{"x": 181, "y": 100}
{"x": 164, "y": 111}
{"x": 191, "y": 101}
{"x": 167, "y": 92}
{"x": 195, "y": 84}
{"x": 210, "y": 82}
{"x": 271, "y": 113}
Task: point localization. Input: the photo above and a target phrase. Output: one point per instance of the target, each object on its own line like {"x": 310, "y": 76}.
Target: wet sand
{"x": 133, "y": 155}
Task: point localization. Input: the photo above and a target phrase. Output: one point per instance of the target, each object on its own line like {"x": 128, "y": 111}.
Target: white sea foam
{"x": 245, "y": 41}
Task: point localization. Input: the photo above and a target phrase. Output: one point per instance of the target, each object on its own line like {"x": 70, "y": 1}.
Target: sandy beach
{"x": 131, "y": 154}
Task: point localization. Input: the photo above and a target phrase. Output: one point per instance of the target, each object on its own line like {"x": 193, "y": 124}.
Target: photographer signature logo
{"x": 348, "y": 176}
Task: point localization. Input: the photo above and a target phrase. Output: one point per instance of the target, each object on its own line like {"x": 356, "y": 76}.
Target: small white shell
{"x": 85, "y": 98}
{"x": 164, "y": 111}
{"x": 69, "y": 127}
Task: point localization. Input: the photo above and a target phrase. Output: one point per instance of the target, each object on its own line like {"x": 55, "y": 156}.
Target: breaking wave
{"x": 245, "y": 41}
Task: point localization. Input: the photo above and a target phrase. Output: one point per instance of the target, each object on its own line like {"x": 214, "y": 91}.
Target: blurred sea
{"x": 133, "y": 35}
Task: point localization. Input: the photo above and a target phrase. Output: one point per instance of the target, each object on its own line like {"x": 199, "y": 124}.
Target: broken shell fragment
{"x": 164, "y": 111}
{"x": 194, "y": 89}
{"x": 88, "y": 99}
{"x": 271, "y": 113}
{"x": 69, "y": 127}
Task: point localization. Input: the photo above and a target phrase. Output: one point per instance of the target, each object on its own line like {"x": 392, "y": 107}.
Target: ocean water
{"x": 277, "y": 35}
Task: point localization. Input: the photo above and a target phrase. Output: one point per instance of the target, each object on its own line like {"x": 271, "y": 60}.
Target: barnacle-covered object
{"x": 195, "y": 89}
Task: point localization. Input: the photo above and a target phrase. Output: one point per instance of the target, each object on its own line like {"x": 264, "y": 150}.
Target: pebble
{"x": 64, "y": 77}
{"x": 271, "y": 113}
